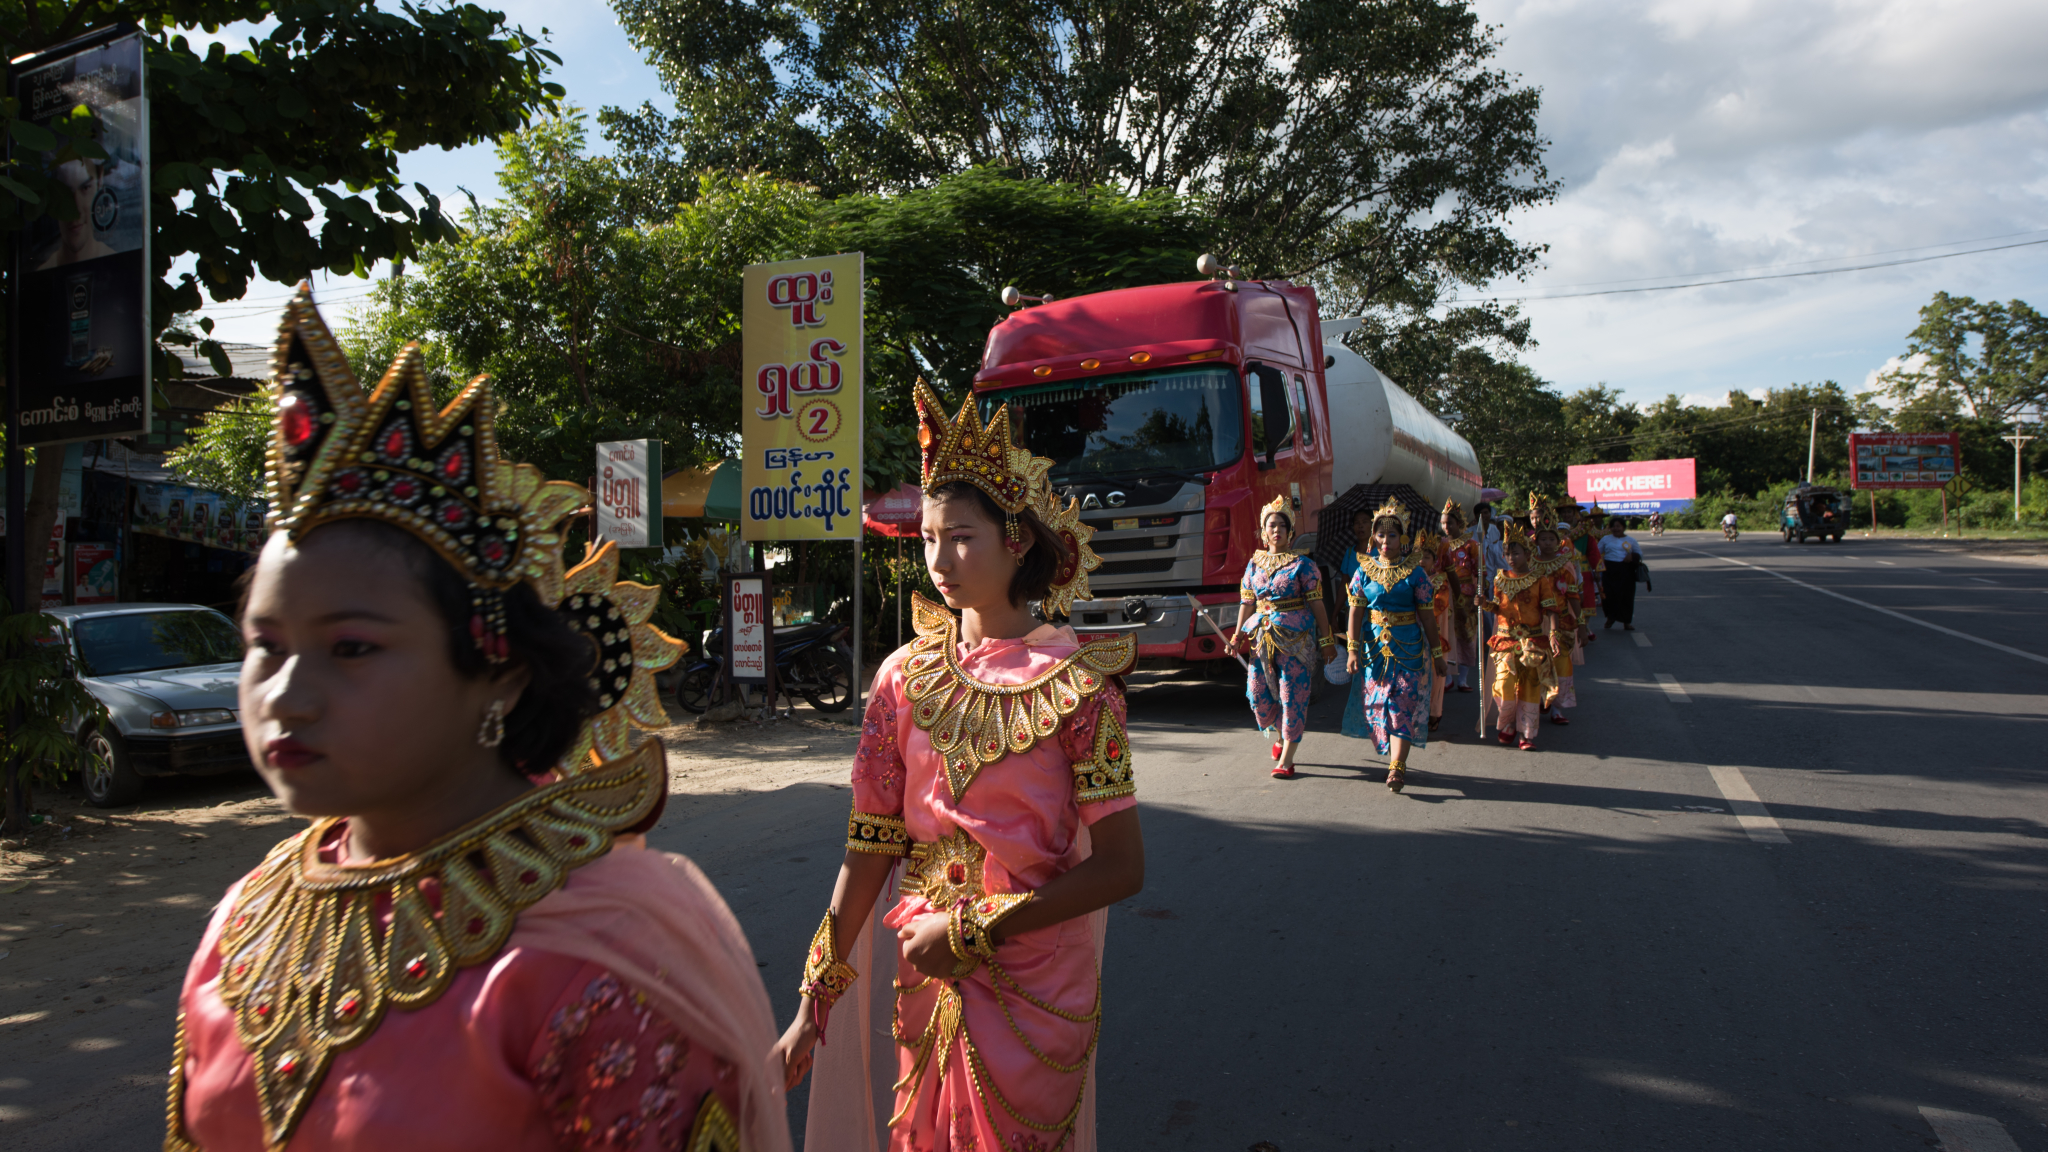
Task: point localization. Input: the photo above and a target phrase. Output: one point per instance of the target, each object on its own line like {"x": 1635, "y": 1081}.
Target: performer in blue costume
{"x": 1391, "y": 592}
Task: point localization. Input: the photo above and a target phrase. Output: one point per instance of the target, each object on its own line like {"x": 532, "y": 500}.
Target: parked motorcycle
{"x": 811, "y": 660}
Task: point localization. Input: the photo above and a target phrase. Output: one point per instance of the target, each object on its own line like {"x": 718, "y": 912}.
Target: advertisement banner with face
{"x": 82, "y": 310}
{"x": 1634, "y": 487}
{"x": 628, "y": 506}
{"x": 800, "y": 412}
{"x": 94, "y": 574}
{"x": 1903, "y": 459}
{"x": 746, "y": 630}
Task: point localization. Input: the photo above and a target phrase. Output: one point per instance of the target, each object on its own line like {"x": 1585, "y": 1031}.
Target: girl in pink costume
{"x": 470, "y": 946}
{"x": 993, "y": 823}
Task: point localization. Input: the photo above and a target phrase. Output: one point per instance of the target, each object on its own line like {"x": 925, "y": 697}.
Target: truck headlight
{"x": 191, "y": 718}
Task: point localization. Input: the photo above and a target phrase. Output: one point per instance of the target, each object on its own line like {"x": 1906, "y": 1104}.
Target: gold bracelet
{"x": 826, "y": 976}
{"x": 1353, "y": 644}
{"x": 966, "y": 960}
{"x": 1326, "y": 640}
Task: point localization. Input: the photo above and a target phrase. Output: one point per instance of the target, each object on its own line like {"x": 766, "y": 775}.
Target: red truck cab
{"x": 1173, "y": 412}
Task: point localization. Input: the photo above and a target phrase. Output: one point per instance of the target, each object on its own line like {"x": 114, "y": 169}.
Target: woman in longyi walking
{"x": 1392, "y": 635}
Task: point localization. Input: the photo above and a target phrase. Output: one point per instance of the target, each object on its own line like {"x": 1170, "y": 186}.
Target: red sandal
{"x": 1527, "y": 745}
{"x": 1282, "y": 772}
{"x": 1507, "y": 739}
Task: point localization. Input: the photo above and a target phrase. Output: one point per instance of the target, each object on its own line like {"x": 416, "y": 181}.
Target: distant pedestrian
{"x": 1618, "y": 583}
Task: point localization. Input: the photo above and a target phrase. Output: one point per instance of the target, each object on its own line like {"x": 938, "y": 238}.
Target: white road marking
{"x": 2038, "y": 659}
{"x": 1981, "y": 580}
{"x": 1642, "y": 639}
{"x": 1749, "y": 811}
{"x": 1963, "y": 1132}
{"x": 1887, "y": 563}
{"x": 1671, "y": 687}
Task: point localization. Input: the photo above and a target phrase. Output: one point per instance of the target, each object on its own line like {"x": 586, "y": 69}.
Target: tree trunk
{"x": 40, "y": 517}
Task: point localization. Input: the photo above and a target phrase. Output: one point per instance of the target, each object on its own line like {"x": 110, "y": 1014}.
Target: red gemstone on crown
{"x": 289, "y": 1066}
{"x": 295, "y": 417}
{"x": 452, "y": 468}
{"x": 452, "y": 514}
{"x": 476, "y": 925}
{"x": 416, "y": 967}
{"x": 529, "y": 877}
{"x": 349, "y": 1007}
{"x": 956, "y": 873}
{"x": 404, "y": 489}
{"x": 394, "y": 444}
{"x": 578, "y": 841}
{"x": 494, "y": 550}
{"x": 349, "y": 482}
{"x": 262, "y": 1011}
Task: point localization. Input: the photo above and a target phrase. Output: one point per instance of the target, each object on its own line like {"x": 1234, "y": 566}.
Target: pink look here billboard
{"x": 1633, "y": 487}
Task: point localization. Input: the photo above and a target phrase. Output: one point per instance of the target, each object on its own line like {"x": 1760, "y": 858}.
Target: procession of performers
{"x": 471, "y": 943}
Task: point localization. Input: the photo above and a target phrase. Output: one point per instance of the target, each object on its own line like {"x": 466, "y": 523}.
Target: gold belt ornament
{"x": 1392, "y": 619}
{"x": 1290, "y": 604}
{"x": 946, "y": 871}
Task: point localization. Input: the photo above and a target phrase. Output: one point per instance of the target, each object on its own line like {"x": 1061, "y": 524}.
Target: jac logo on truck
{"x": 801, "y": 293}
{"x": 777, "y": 382}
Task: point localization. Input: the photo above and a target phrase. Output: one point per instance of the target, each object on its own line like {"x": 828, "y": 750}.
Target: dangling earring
{"x": 492, "y": 733}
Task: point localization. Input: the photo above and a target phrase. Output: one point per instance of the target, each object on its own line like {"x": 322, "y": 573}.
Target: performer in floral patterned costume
{"x": 994, "y": 820}
{"x": 1392, "y": 596}
{"x": 470, "y": 946}
{"x": 1284, "y": 628}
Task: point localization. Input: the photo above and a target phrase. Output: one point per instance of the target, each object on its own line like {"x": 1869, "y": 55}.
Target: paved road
{"x": 1781, "y": 885}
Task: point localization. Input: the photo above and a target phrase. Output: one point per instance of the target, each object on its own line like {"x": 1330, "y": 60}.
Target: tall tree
{"x": 1753, "y": 445}
{"x": 1989, "y": 360}
{"x": 1370, "y": 144}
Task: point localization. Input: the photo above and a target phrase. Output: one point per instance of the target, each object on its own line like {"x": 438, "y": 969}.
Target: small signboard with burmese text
{"x": 627, "y": 499}
{"x": 800, "y": 410}
{"x": 748, "y": 632}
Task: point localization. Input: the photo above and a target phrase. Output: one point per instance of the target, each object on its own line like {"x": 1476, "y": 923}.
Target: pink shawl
{"x": 659, "y": 926}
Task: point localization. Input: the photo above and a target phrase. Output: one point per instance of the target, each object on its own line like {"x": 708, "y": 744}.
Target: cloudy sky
{"x": 1695, "y": 141}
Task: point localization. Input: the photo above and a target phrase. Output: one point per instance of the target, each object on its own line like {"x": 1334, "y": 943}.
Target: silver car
{"x": 166, "y": 673}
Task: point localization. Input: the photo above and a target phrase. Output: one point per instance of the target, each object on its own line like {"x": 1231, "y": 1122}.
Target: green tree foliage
{"x": 1600, "y": 425}
{"x": 591, "y": 325}
{"x": 282, "y": 157}
{"x": 38, "y": 692}
{"x": 1753, "y": 445}
{"x": 1987, "y": 361}
{"x": 938, "y": 258}
{"x": 225, "y": 452}
{"x": 1368, "y": 143}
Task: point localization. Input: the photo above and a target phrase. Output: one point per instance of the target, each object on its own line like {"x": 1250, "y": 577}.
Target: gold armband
{"x": 826, "y": 976}
{"x": 970, "y": 927}
{"x": 1326, "y": 640}
{"x": 1354, "y": 644}
{"x": 879, "y": 835}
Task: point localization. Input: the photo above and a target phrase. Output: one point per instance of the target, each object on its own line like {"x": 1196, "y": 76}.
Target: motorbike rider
{"x": 1728, "y": 526}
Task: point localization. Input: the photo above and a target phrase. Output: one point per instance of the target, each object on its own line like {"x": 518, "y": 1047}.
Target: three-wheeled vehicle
{"x": 1813, "y": 511}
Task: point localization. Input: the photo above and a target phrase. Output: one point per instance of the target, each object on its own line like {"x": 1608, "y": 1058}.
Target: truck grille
{"x": 1134, "y": 567}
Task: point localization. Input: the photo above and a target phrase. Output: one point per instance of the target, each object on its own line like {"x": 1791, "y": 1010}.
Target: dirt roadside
{"x": 100, "y": 912}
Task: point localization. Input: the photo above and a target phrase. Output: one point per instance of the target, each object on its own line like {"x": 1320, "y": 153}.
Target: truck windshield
{"x": 1175, "y": 420}
{"x": 150, "y": 641}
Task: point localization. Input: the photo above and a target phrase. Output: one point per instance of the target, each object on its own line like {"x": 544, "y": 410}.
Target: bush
{"x": 1916, "y": 509}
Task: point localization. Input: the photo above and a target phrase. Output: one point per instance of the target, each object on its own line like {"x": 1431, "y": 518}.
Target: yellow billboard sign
{"x": 800, "y": 400}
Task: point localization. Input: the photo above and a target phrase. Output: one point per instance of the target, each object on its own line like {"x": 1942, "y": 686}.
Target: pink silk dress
{"x": 563, "y": 1040}
{"x": 1030, "y": 812}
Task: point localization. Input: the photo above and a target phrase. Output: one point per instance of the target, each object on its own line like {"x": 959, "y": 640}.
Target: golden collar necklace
{"x": 1270, "y": 562}
{"x": 1387, "y": 575}
{"x": 306, "y": 971}
{"x": 972, "y": 723}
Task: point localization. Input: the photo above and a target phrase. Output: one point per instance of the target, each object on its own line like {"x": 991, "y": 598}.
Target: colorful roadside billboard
{"x": 1903, "y": 459}
{"x": 800, "y": 400}
{"x": 1634, "y": 487}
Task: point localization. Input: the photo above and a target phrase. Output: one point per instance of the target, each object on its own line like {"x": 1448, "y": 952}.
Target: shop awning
{"x": 712, "y": 491}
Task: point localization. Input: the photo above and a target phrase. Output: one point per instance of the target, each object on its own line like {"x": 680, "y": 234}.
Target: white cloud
{"x": 1697, "y": 138}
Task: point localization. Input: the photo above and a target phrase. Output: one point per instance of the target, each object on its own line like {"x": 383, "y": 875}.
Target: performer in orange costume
{"x": 1460, "y": 575}
{"x": 1524, "y": 640}
{"x": 1560, "y": 565}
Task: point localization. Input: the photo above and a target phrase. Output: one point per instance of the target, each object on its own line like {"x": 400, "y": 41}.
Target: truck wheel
{"x": 110, "y": 780}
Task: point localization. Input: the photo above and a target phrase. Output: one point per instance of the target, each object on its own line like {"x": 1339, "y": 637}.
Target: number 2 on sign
{"x": 818, "y": 421}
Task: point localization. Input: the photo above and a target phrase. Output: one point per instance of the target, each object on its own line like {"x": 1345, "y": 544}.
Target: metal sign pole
{"x": 858, "y": 580}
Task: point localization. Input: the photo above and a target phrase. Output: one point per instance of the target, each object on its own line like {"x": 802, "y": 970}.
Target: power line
{"x": 1804, "y": 263}
{"x": 1749, "y": 279}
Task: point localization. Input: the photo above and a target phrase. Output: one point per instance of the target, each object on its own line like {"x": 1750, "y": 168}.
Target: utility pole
{"x": 1812, "y": 439}
{"x": 2018, "y": 442}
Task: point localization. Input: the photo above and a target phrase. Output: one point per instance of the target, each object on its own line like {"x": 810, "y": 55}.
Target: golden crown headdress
{"x": 1277, "y": 504}
{"x": 1513, "y": 533}
{"x": 1426, "y": 540}
{"x": 338, "y": 454}
{"x": 963, "y": 450}
{"x": 1453, "y": 508}
{"x": 1392, "y": 508}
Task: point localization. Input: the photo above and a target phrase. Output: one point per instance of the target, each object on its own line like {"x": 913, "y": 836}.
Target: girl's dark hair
{"x": 1284, "y": 519}
{"x": 1035, "y": 575}
{"x": 1388, "y": 520}
{"x": 557, "y": 655}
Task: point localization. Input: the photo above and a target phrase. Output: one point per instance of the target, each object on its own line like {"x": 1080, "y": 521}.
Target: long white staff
{"x": 1479, "y": 639}
{"x": 1201, "y": 618}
